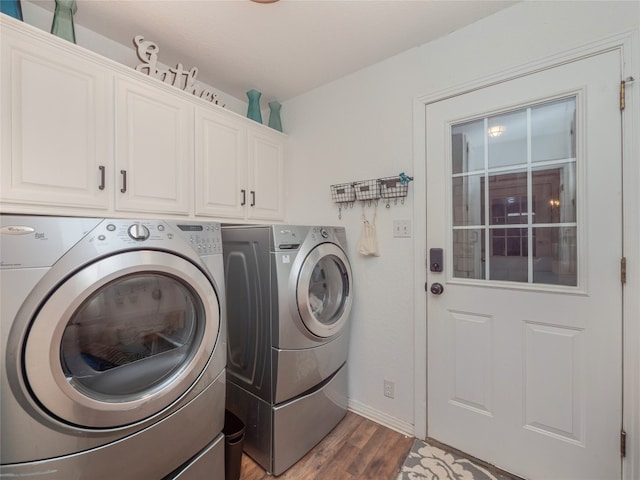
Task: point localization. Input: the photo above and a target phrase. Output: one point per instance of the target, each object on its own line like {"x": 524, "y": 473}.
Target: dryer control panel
{"x": 330, "y": 234}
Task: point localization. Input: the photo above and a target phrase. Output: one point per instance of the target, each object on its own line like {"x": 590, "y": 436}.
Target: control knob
{"x": 138, "y": 232}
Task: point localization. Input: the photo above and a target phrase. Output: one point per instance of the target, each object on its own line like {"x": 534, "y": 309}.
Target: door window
{"x": 122, "y": 338}
{"x": 131, "y": 335}
{"x": 323, "y": 296}
{"x": 513, "y": 185}
{"x": 328, "y": 289}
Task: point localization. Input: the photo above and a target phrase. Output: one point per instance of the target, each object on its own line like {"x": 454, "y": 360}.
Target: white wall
{"x": 42, "y": 18}
{"x": 361, "y": 127}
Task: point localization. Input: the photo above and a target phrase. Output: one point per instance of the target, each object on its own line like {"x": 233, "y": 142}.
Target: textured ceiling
{"x": 282, "y": 49}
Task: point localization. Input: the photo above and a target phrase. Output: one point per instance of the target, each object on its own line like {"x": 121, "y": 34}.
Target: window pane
{"x": 509, "y": 252}
{"x": 555, "y": 257}
{"x": 467, "y": 147}
{"x": 468, "y": 253}
{"x": 468, "y": 200}
{"x": 553, "y": 130}
{"x": 504, "y": 195}
{"x": 554, "y": 194}
{"x": 508, "y": 198}
{"x": 507, "y": 136}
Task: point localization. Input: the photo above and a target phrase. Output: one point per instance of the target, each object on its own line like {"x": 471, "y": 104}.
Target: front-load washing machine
{"x": 113, "y": 349}
{"x": 289, "y": 296}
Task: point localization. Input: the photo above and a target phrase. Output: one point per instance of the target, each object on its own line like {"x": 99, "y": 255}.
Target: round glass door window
{"x": 131, "y": 336}
{"x": 328, "y": 289}
{"x": 324, "y": 290}
{"x": 122, "y": 339}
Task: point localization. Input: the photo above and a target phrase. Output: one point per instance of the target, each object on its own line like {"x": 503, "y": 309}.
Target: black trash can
{"x": 233, "y": 440}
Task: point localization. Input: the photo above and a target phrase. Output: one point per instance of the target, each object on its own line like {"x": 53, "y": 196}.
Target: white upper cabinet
{"x": 221, "y": 165}
{"x": 239, "y": 168}
{"x": 154, "y": 149}
{"x": 266, "y": 175}
{"x": 83, "y": 135}
{"x": 56, "y": 124}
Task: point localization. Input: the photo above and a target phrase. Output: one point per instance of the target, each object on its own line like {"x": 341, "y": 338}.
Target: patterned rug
{"x": 426, "y": 462}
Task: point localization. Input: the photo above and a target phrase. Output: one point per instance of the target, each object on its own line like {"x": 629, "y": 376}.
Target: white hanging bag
{"x": 368, "y": 244}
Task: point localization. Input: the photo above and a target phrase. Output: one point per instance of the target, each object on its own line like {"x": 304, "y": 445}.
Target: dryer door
{"x": 324, "y": 290}
{"x": 122, "y": 339}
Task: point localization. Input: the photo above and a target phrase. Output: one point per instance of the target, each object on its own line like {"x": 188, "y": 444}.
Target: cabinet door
{"x": 154, "y": 152}
{"x": 221, "y": 165}
{"x": 266, "y": 176}
{"x": 56, "y": 124}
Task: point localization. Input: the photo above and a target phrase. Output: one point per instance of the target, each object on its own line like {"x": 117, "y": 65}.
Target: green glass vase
{"x": 275, "y": 121}
{"x": 253, "y": 112}
{"x": 62, "y": 25}
{"x": 12, "y": 8}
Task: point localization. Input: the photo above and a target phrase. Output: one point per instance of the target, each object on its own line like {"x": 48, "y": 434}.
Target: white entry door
{"x": 525, "y": 339}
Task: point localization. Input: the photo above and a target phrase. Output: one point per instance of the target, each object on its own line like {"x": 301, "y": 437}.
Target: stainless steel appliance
{"x": 289, "y": 296}
{"x": 114, "y": 348}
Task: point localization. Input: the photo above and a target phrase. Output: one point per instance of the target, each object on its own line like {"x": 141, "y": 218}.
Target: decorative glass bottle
{"x": 274, "y": 116}
{"x": 63, "y": 20}
{"x": 12, "y": 8}
{"x": 253, "y": 111}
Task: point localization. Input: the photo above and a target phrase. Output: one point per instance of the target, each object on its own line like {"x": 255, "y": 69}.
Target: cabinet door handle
{"x": 253, "y": 198}
{"x": 101, "y": 168}
{"x": 244, "y": 198}
{"x": 124, "y": 181}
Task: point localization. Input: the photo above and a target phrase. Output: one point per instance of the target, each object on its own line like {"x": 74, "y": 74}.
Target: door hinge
{"x": 623, "y": 84}
{"x": 623, "y": 443}
{"x": 623, "y": 270}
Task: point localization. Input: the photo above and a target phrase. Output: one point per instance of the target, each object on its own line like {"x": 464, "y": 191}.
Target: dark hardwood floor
{"x": 356, "y": 449}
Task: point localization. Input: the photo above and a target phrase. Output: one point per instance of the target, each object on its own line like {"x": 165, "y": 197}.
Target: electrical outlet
{"x": 402, "y": 228}
{"x": 389, "y": 389}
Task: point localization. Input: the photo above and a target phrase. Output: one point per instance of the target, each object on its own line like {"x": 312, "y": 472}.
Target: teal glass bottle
{"x": 253, "y": 111}
{"x": 12, "y": 8}
{"x": 62, "y": 25}
{"x": 275, "y": 121}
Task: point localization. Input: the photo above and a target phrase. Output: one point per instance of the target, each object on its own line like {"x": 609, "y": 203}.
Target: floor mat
{"x": 432, "y": 463}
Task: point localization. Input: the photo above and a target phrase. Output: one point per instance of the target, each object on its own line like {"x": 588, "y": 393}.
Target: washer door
{"x": 122, "y": 339}
{"x": 324, "y": 290}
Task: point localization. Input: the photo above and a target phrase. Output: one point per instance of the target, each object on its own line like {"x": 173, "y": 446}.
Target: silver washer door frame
{"x": 309, "y": 318}
{"x": 42, "y": 362}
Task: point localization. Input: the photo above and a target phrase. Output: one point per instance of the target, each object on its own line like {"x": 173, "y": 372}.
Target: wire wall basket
{"x": 367, "y": 189}
{"x": 396, "y": 187}
{"x": 343, "y": 193}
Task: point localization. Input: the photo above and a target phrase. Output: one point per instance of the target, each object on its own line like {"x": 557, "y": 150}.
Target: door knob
{"x": 436, "y": 288}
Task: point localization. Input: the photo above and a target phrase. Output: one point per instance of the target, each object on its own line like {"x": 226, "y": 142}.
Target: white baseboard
{"x": 382, "y": 418}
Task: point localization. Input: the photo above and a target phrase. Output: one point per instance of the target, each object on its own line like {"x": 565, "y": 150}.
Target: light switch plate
{"x": 402, "y": 228}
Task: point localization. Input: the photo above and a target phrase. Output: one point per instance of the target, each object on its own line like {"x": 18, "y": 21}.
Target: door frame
{"x": 628, "y": 44}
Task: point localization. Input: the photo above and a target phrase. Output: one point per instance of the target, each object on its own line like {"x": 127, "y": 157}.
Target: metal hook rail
{"x": 396, "y": 188}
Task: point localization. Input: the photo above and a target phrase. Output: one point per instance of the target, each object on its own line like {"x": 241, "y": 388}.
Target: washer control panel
{"x": 204, "y": 237}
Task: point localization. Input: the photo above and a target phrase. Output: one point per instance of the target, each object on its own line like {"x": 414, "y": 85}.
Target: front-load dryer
{"x": 289, "y": 296}
{"x": 114, "y": 348}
